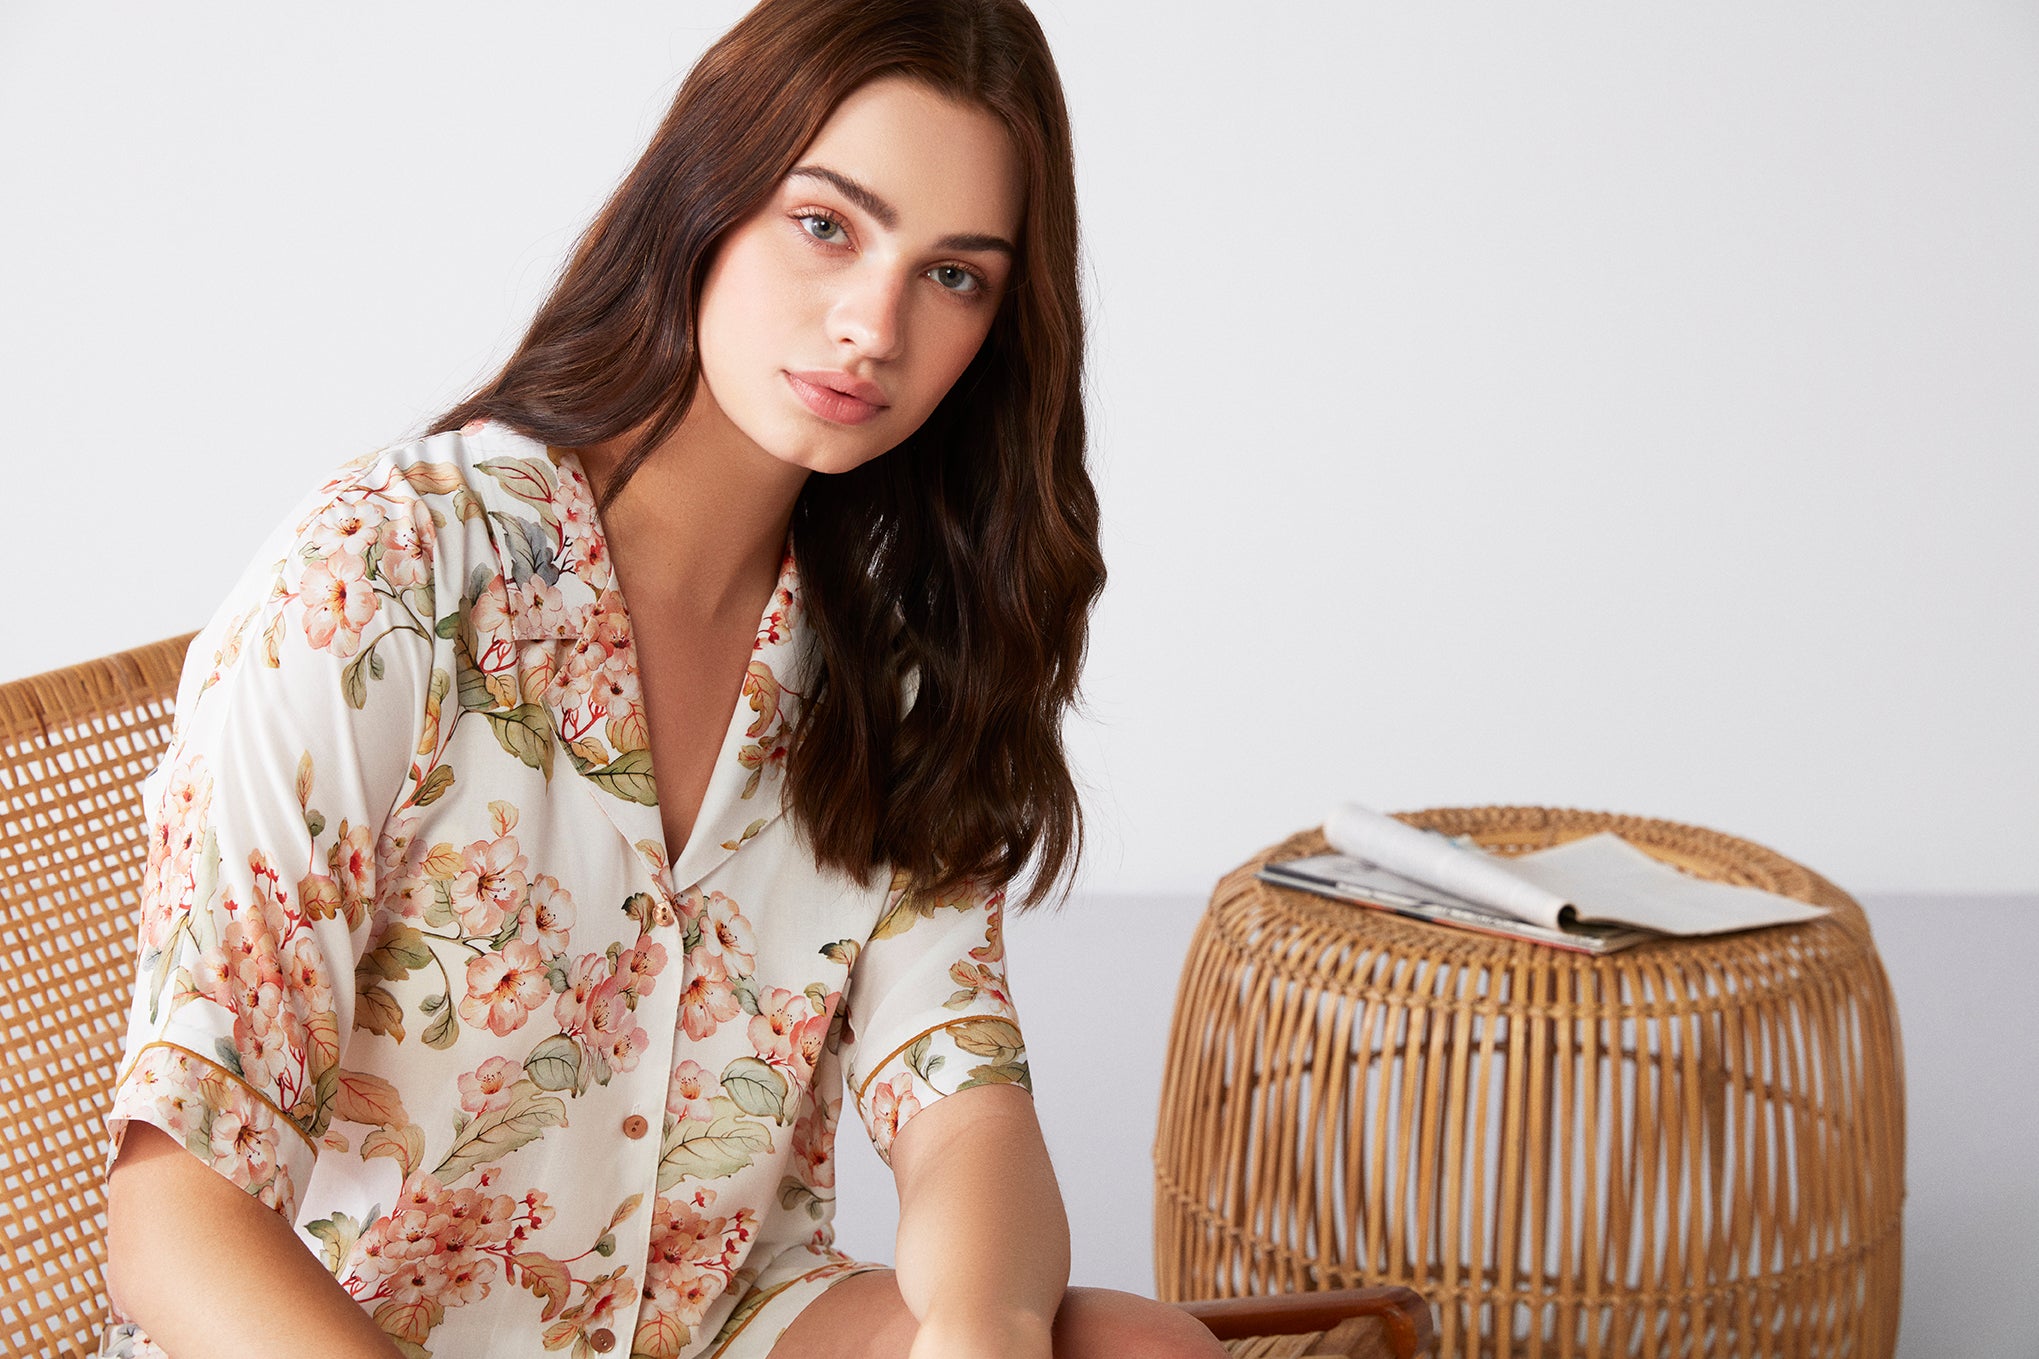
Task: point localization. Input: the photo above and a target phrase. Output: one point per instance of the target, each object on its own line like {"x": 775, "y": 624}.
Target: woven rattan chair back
{"x": 75, "y": 745}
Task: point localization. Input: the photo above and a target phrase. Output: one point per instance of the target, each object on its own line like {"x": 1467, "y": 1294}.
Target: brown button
{"x": 603, "y": 1340}
{"x": 635, "y": 1126}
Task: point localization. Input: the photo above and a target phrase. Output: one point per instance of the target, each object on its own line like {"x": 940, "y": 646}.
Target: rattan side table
{"x": 1688, "y": 1148}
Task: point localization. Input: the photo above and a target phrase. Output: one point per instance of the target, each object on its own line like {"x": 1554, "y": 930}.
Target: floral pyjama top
{"x": 413, "y": 970}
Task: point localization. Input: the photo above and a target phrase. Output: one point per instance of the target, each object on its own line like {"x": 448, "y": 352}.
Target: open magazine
{"x": 1596, "y": 894}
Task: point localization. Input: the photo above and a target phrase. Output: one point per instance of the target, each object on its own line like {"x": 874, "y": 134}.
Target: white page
{"x": 1600, "y": 877}
{"x": 1606, "y": 878}
{"x": 1435, "y": 861}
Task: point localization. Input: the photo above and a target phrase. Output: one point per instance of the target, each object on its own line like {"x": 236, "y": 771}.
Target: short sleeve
{"x": 298, "y": 719}
{"x": 929, "y": 1012}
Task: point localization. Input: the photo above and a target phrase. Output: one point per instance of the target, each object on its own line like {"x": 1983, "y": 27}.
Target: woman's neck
{"x": 697, "y": 531}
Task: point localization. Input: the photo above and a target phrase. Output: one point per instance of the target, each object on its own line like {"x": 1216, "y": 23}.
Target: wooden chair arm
{"x": 1403, "y": 1315}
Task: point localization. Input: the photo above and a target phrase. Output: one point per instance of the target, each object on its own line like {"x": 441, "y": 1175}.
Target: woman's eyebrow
{"x": 888, "y": 216}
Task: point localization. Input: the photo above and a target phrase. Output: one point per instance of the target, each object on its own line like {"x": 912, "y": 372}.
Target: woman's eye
{"x": 956, "y": 278}
{"x": 829, "y": 223}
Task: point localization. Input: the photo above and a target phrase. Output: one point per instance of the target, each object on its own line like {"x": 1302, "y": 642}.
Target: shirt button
{"x": 603, "y": 1340}
{"x": 635, "y": 1126}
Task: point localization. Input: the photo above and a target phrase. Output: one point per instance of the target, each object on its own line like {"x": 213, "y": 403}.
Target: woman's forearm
{"x": 982, "y": 1228}
{"x": 203, "y": 1268}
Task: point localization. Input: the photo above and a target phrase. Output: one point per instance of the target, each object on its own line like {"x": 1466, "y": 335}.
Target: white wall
{"x": 1612, "y": 406}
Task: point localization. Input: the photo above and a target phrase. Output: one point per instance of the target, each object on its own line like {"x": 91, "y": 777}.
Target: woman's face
{"x": 876, "y": 265}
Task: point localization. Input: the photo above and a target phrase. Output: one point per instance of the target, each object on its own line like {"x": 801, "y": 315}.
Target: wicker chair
{"x": 75, "y": 745}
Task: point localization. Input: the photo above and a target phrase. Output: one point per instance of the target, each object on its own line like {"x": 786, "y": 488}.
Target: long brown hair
{"x": 967, "y": 556}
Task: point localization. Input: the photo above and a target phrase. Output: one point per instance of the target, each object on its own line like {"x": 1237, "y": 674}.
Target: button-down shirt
{"x": 413, "y": 970}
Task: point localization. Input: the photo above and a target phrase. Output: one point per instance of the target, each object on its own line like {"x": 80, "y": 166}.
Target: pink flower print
{"x": 539, "y": 607}
{"x": 814, "y": 1146}
{"x": 401, "y": 884}
{"x": 579, "y": 664}
{"x": 491, "y": 611}
{"x": 707, "y": 1001}
{"x": 353, "y": 864}
{"x": 606, "y": 1293}
{"x": 406, "y": 545}
{"x": 637, "y": 965}
{"x": 304, "y": 971}
{"x": 574, "y": 507}
{"x": 689, "y": 1093}
{"x": 547, "y": 917}
{"x": 504, "y": 988}
{"x": 608, "y": 1009}
{"x": 624, "y": 1049}
{"x": 892, "y": 1104}
{"x": 809, "y": 1038}
{"x": 351, "y": 527}
{"x": 613, "y": 690}
{"x": 538, "y": 1210}
{"x": 338, "y": 603}
{"x": 468, "y": 1276}
{"x": 610, "y": 622}
{"x": 772, "y": 1028}
{"x": 727, "y": 942}
{"x": 492, "y": 1218}
{"x": 593, "y": 566}
{"x": 490, "y": 883}
{"x": 413, "y": 1233}
{"x": 176, "y": 832}
{"x": 584, "y": 977}
{"x": 243, "y": 1145}
{"x": 487, "y": 1088}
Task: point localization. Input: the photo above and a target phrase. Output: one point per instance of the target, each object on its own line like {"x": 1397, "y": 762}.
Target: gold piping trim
{"x": 945, "y": 1024}
{"x": 776, "y": 1289}
{"x": 241, "y": 1081}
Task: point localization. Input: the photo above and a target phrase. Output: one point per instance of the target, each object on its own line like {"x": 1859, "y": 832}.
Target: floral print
{"x": 414, "y": 971}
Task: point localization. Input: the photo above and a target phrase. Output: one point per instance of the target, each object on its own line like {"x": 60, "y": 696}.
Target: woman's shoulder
{"x": 411, "y": 529}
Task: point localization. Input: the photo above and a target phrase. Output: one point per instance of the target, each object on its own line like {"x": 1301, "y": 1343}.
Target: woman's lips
{"x": 830, "y": 404}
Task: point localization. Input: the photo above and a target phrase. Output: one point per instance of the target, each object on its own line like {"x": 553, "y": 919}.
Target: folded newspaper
{"x": 1595, "y": 894}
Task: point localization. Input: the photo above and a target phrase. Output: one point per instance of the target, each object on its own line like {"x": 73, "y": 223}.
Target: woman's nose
{"x": 870, "y": 314}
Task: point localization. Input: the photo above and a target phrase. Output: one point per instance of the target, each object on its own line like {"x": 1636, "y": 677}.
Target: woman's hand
{"x": 1009, "y": 1334}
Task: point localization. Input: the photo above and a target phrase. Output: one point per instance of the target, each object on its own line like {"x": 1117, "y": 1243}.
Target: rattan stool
{"x": 1688, "y": 1148}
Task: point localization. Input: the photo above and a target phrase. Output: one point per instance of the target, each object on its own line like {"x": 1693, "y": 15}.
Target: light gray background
{"x": 1617, "y": 406}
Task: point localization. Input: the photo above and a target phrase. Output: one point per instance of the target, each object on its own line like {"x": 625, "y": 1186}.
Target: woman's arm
{"x": 177, "y": 1230}
{"x": 983, "y": 1246}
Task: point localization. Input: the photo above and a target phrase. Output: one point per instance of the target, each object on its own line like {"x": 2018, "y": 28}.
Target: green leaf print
{"x": 795, "y": 1192}
{"x": 353, "y": 684}
{"x": 756, "y": 1088}
{"x": 229, "y": 1056}
{"x": 990, "y": 1036}
{"x": 405, "y": 1146}
{"x": 444, "y": 1031}
{"x": 554, "y": 1064}
{"x": 708, "y": 1151}
{"x": 377, "y": 1011}
{"x": 1003, "y": 1074}
{"x": 337, "y": 1235}
{"x": 628, "y": 776}
{"x": 526, "y": 732}
{"x": 528, "y": 479}
{"x": 495, "y": 1135}
{"x": 402, "y": 949}
{"x": 435, "y": 785}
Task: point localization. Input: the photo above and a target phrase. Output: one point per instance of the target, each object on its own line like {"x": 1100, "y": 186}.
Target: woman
{"x": 807, "y": 396}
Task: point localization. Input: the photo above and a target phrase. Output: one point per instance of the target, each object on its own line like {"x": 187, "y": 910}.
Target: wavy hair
{"x": 949, "y": 582}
